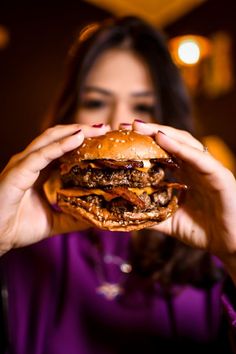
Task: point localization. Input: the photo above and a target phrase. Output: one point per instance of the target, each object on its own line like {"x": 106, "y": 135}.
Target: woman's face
{"x": 118, "y": 89}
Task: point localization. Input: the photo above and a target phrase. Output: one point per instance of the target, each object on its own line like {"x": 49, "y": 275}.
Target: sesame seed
{"x": 99, "y": 146}
{"x": 83, "y": 145}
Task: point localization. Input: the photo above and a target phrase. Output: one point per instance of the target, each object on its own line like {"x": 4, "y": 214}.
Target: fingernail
{"x": 139, "y": 121}
{"x": 77, "y": 131}
{"x": 97, "y": 125}
{"x": 159, "y": 131}
{"x": 125, "y": 123}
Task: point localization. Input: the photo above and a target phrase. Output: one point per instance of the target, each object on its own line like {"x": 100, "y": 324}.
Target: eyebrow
{"x": 97, "y": 89}
{"x": 143, "y": 94}
{"x": 109, "y": 93}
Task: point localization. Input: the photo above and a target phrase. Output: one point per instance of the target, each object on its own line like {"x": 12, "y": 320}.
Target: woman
{"x": 91, "y": 291}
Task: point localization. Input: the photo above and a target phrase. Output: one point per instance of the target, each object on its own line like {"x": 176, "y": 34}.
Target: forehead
{"x": 119, "y": 67}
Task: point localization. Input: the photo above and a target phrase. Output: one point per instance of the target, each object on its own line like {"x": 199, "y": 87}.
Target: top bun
{"x": 119, "y": 145}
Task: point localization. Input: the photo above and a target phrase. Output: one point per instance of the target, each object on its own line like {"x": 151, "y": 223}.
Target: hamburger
{"x": 118, "y": 182}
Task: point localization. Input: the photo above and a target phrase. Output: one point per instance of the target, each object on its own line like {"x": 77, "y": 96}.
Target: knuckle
{"x": 15, "y": 158}
{"x": 58, "y": 146}
{"x": 39, "y": 154}
{"x": 49, "y": 131}
{"x": 186, "y": 134}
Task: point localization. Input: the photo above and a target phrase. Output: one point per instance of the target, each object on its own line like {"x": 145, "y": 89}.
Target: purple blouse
{"x": 64, "y": 296}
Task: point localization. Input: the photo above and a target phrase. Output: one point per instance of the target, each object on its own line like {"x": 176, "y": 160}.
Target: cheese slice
{"x": 138, "y": 191}
{"x": 77, "y": 192}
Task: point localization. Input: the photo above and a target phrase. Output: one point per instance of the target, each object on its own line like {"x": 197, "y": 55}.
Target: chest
{"x": 64, "y": 287}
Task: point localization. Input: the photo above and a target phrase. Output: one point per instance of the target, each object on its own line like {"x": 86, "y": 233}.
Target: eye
{"x": 93, "y": 104}
{"x": 144, "y": 108}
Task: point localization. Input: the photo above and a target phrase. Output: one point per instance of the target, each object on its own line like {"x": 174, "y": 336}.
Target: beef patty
{"x": 95, "y": 177}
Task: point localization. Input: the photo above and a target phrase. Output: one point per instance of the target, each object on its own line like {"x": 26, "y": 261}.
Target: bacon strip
{"x": 119, "y": 164}
{"x": 128, "y": 195}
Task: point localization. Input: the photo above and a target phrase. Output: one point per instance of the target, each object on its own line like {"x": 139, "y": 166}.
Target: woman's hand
{"x": 25, "y": 215}
{"x": 207, "y": 218}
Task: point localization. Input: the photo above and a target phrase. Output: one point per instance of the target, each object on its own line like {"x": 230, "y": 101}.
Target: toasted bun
{"x": 117, "y": 145}
{"x": 135, "y": 221}
{"x": 53, "y": 188}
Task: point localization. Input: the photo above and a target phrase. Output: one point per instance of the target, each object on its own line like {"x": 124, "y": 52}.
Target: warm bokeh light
{"x": 189, "y": 49}
{"x": 4, "y": 37}
{"x": 189, "y": 52}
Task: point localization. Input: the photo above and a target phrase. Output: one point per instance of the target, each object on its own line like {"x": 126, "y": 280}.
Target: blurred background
{"x": 35, "y": 37}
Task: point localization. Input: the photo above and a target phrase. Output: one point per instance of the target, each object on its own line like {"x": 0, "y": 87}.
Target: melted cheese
{"x": 142, "y": 169}
{"x": 76, "y": 192}
{"x": 138, "y": 191}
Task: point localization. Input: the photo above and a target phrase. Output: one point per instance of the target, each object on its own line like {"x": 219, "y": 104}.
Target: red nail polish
{"x": 159, "y": 131}
{"x": 77, "y": 131}
{"x": 97, "y": 125}
{"x": 125, "y": 123}
{"x": 139, "y": 121}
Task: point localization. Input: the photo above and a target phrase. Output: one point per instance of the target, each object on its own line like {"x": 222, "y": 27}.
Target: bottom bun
{"x": 102, "y": 218}
{"x": 110, "y": 223}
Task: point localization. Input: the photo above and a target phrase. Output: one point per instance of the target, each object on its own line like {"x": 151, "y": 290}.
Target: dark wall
{"x": 216, "y": 115}
{"x": 31, "y": 67}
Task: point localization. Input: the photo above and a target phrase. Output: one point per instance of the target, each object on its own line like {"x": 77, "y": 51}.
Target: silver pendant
{"x": 109, "y": 291}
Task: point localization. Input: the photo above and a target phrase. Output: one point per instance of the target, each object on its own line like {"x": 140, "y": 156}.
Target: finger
{"x": 179, "y": 135}
{"x": 201, "y": 160}
{"x": 125, "y": 126}
{"x": 219, "y": 182}
{"x": 52, "y": 134}
{"x": 95, "y": 130}
{"x": 56, "y": 133}
{"x": 25, "y": 173}
{"x": 61, "y": 131}
{"x": 48, "y": 136}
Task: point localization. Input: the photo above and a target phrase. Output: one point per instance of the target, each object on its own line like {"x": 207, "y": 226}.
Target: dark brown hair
{"x": 161, "y": 258}
{"x": 173, "y": 106}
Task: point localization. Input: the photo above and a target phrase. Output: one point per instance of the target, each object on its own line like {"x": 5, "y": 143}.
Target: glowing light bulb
{"x": 189, "y": 52}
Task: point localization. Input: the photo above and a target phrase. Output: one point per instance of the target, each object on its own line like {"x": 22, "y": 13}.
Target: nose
{"x": 120, "y": 113}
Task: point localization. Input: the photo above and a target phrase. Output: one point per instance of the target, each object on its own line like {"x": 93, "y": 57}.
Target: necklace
{"x": 109, "y": 253}
{"x": 115, "y": 267}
